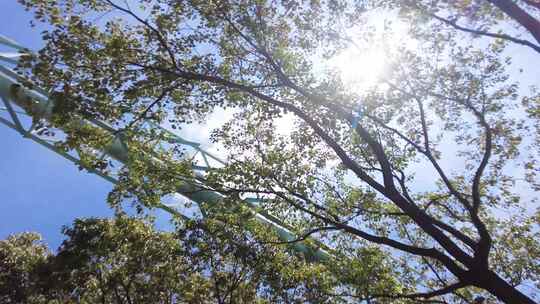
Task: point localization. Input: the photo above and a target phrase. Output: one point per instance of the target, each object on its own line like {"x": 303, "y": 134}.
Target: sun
{"x": 361, "y": 69}
{"x": 368, "y": 60}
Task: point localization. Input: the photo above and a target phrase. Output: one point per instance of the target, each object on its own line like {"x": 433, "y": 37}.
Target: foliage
{"x": 21, "y": 257}
{"x": 126, "y": 261}
{"x": 346, "y": 175}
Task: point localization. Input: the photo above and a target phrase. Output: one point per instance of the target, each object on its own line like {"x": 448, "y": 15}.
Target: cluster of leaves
{"x": 126, "y": 261}
{"x": 447, "y": 102}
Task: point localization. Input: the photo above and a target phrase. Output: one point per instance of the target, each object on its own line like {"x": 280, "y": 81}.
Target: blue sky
{"x": 39, "y": 190}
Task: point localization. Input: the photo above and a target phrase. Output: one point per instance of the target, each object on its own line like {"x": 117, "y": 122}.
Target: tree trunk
{"x": 498, "y": 287}
{"x": 520, "y": 16}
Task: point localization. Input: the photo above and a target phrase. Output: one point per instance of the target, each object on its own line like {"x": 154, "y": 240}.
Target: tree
{"x": 345, "y": 169}
{"x": 21, "y": 256}
{"x": 125, "y": 260}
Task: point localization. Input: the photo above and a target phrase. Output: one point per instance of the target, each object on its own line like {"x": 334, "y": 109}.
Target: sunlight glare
{"x": 366, "y": 62}
{"x": 361, "y": 69}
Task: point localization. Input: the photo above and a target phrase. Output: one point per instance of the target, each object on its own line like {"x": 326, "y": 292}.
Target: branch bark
{"x": 515, "y": 12}
{"x": 454, "y": 24}
{"x": 426, "y": 295}
{"x": 533, "y": 3}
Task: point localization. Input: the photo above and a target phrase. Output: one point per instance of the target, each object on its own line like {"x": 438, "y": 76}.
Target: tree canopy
{"x": 336, "y": 161}
{"x": 126, "y": 260}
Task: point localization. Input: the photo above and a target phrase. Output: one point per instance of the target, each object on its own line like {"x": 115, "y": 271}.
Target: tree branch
{"x": 426, "y": 295}
{"x": 484, "y": 245}
{"x": 303, "y": 236}
{"x": 458, "y": 195}
{"x": 150, "y": 106}
{"x": 488, "y": 34}
{"x": 344, "y": 157}
{"x": 533, "y": 3}
{"x": 515, "y": 12}
{"x": 420, "y": 251}
{"x": 160, "y": 37}
{"x": 364, "y": 134}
